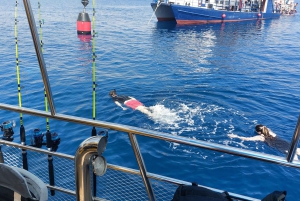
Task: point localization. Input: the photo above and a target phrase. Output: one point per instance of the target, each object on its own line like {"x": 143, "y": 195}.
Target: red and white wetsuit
{"x": 133, "y": 103}
{"x": 128, "y": 101}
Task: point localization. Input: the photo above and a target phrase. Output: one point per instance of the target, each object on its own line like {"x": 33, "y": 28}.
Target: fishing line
{"x": 22, "y": 128}
{"x": 157, "y": 5}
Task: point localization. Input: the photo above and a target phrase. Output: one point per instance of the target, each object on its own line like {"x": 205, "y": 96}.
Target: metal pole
{"x": 39, "y": 54}
{"x": 294, "y": 144}
{"x": 141, "y": 164}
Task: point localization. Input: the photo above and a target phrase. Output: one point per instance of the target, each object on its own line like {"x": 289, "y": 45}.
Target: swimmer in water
{"x": 270, "y": 138}
{"x": 129, "y": 102}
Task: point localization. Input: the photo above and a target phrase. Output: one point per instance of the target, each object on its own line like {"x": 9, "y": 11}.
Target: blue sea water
{"x": 202, "y": 82}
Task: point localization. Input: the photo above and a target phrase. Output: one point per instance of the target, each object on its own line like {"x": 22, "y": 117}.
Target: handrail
{"x": 294, "y": 143}
{"x": 31, "y": 148}
{"x": 156, "y": 135}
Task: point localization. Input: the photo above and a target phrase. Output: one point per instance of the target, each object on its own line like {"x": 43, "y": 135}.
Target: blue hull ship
{"x": 237, "y": 11}
{"x": 163, "y": 11}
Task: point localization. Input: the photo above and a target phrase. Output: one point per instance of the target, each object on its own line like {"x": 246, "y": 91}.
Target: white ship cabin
{"x": 234, "y": 5}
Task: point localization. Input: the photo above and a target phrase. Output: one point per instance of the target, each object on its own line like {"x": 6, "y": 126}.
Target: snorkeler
{"x": 266, "y": 135}
{"x": 129, "y": 102}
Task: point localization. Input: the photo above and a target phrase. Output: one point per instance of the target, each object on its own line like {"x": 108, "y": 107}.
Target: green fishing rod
{"x": 42, "y": 48}
{"x": 22, "y": 128}
{"x": 94, "y": 133}
{"x": 49, "y": 141}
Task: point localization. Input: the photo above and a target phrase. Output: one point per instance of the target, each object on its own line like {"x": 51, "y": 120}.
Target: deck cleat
{"x": 7, "y": 128}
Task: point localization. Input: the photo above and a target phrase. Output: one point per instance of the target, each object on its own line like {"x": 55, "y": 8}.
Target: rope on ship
{"x": 157, "y": 5}
{"x": 22, "y": 128}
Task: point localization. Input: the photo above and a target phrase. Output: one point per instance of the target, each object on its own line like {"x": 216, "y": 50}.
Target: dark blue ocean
{"x": 202, "y": 82}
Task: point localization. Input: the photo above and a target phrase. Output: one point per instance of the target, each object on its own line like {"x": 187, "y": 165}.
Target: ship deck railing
{"x": 118, "y": 182}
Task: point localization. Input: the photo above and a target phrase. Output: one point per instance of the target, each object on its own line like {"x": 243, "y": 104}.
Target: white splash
{"x": 161, "y": 114}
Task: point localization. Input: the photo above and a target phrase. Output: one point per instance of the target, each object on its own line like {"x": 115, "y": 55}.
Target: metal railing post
{"x": 39, "y": 54}
{"x": 142, "y": 166}
{"x": 293, "y": 147}
{"x": 86, "y": 150}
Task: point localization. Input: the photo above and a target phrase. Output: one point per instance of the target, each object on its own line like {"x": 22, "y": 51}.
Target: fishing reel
{"x": 55, "y": 141}
{"x": 52, "y": 139}
{"x": 37, "y": 138}
{"x": 7, "y": 128}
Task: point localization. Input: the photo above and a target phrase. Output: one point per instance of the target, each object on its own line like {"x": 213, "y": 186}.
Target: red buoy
{"x": 83, "y": 24}
{"x": 223, "y": 15}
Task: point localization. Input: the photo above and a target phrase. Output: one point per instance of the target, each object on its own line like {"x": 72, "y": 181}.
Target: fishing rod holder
{"x": 7, "y": 128}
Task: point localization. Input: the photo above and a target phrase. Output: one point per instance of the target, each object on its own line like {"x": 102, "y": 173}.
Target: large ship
{"x": 216, "y": 11}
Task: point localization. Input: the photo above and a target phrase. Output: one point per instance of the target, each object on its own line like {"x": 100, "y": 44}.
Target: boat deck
{"x": 118, "y": 182}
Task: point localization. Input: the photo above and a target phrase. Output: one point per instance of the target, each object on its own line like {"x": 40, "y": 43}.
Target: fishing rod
{"x": 7, "y": 126}
{"x": 52, "y": 140}
{"x": 48, "y": 133}
{"x": 94, "y": 132}
{"x": 22, "y": 128}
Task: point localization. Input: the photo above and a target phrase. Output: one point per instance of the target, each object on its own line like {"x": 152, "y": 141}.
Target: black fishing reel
{"x": 52, "y": 139}
{"x": 55, "y": 141}
{"x": 8, "y": 132}
{"x": 37, "y": 138}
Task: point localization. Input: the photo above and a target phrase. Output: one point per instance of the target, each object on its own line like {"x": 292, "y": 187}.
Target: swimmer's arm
{"x": 255, "y": 138}
{"x": 120, "y": 105}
